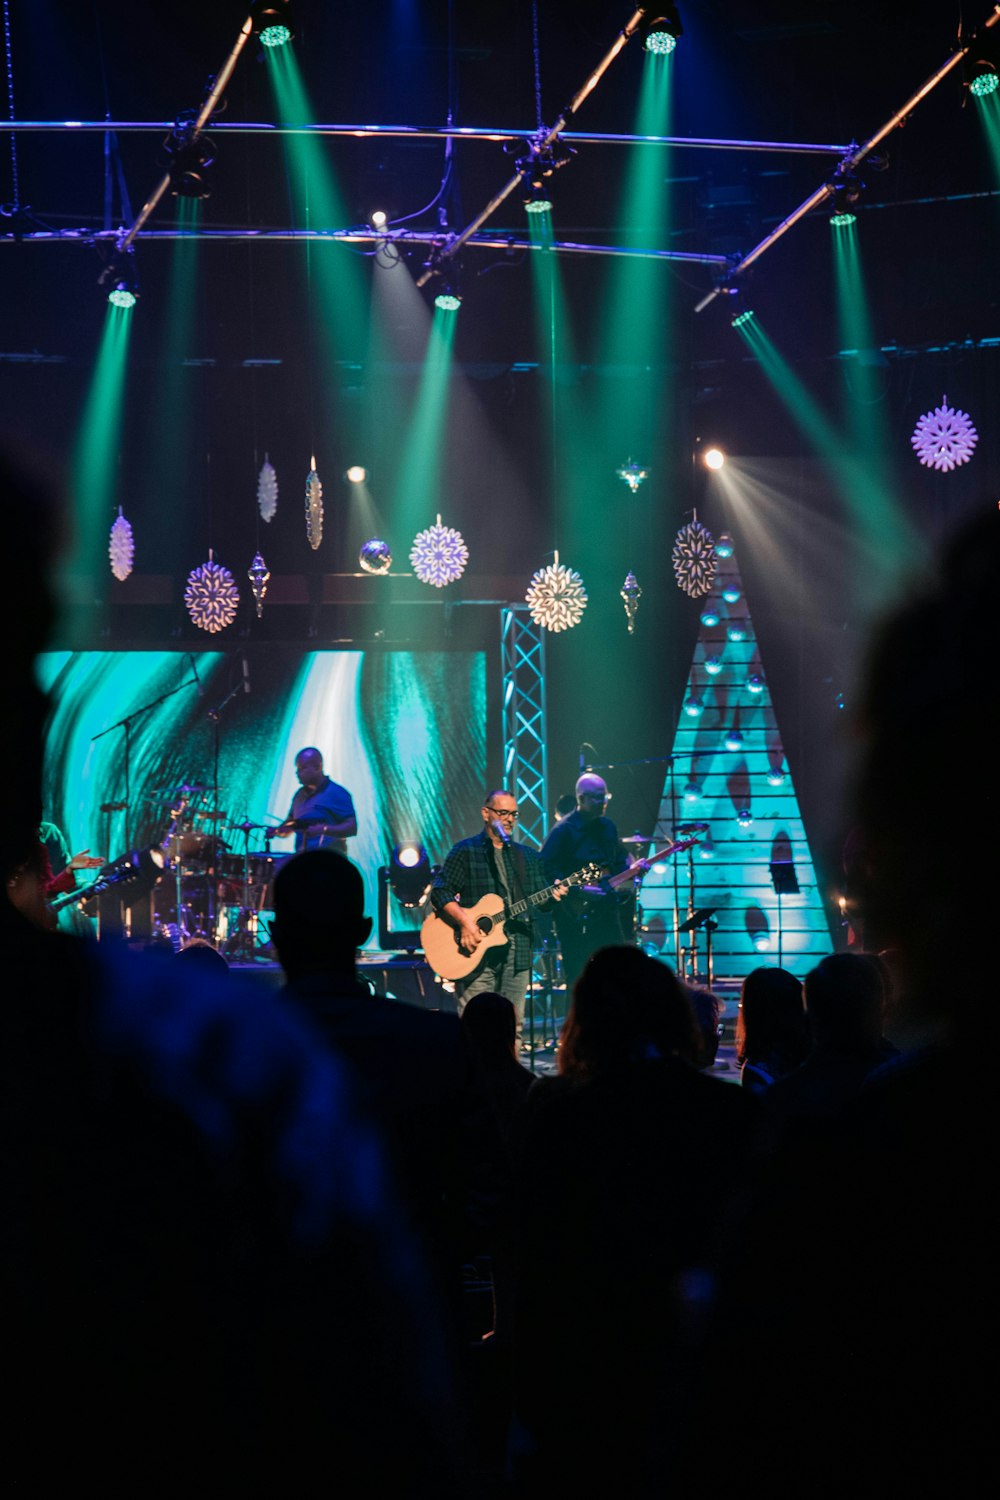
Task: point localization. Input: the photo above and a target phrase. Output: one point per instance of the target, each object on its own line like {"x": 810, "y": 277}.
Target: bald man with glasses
{"x": 593, "y": 917}
{"x": 491, "y": 863}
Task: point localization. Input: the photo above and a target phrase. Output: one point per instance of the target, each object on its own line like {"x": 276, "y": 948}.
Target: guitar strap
{"x": 517, "y": 871}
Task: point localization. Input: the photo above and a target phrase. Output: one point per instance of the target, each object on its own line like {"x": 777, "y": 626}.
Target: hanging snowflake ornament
{"x": 944, "y": 438}
{"x": 121, "y": 548}
{"x": 375, "y": 556}
{"x": 694, "y": 558}
{"x": 211, "y": 596}
{"x": 267, "y": 490}
{"x": 633, "y": 474}
{"x": 314, "y": 507}
{"x": 259, "y": 577}
{"x": 556, "y": 597}
{"x": 631, "y": 594}
{"x": 439, "y": 555}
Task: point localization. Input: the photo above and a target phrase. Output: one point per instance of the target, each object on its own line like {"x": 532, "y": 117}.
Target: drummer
{"x": 322, "y": 813}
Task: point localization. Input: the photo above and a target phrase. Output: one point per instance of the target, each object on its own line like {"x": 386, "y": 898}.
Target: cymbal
{"x": 638, "y": 838}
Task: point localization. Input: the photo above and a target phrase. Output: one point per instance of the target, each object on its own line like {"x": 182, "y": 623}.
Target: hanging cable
{"x": 538, "y": 63}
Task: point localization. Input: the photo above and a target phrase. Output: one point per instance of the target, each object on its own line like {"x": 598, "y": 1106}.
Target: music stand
{"x": 700, "y": 918}
{"x": 786, "y": 883}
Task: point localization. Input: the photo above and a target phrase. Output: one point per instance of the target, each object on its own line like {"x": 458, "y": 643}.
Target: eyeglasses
{"x": 503, "y": 812}
{"x": 595, "y": 796}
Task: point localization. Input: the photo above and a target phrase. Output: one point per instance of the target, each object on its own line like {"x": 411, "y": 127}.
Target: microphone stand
{"x": 126, "y": 725}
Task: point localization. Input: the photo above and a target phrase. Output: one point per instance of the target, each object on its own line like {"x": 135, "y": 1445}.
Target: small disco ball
{"x": 375, "y": 556}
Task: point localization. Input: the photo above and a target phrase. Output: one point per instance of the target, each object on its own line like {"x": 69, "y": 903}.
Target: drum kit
{"x": 211, "y": 889}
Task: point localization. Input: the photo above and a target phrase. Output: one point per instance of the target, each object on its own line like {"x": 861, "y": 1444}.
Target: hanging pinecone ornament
{"x": 314, "y": 507}
{"x": 694, "y": 558}
{"x": 211, "y": 596}
{"x": 556, "y": 597}
{"x": 267, "y": 490}
{"x": 121, "y": 547}
{"x": 631, "y": 594}
{"x": 439, "y": 555}
{"x": 259, "y": 578}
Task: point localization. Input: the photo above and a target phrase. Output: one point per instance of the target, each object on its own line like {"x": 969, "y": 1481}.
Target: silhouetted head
{"x": 771, "y": 1026}
{"x": 627, "y": 1007}
{"x": 490, "y": 1026}
{"x": 200, "y": 954}
{"x": 843, "y": 996}
{"x": 319, "y": 913}
{"x": 708, "y": 1010}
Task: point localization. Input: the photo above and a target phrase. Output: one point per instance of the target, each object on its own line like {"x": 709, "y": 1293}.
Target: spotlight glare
{"x": 710, "y": 617}
{"x": 745, "y": 817}
{"x": 694, "y": 707}
{"x": 734, "y": 740}
{"x": 740, "y": 318}
{"x": 981, "y": 76}
{"x": 273, "y": 22}
{"x": 356, "y": 474}
{"x": 121, "y": 296}
{"x": 713, "y": 665}
{"x": 714, "y": 458}
{"x": 840, "y": 221}
{"x": 762, "y": 942}
{"x": 730, "y": 593}
{"x": 724, "y": 546}
{"x": 661, "y": 32}
{"x": 692, "y": 791}
{"x": 736, "y": 632}
{"x": 447, "y": 302}
{"x": 776, "y": 776}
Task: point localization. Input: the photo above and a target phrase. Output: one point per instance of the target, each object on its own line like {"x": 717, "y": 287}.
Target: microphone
{"x": 500, "y": 831}
{"x": 194, "y": 668}
{"x": 246, "y": 674}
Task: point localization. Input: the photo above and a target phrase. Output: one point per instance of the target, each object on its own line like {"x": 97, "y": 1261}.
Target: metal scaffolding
{"x": 525, "y": 758}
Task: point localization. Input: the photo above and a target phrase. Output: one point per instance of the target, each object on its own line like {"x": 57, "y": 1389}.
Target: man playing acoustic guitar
{"x": 490, "y": 863}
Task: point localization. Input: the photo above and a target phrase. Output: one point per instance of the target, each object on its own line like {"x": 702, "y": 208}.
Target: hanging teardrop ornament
{"x": 314, "y": 507}
{"x": 259, "y": 578}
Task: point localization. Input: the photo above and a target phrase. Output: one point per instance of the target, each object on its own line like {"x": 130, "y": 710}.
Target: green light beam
{"x": 988, "y": 110}
{"x": 171, "y": 412}
{"x": 93, "y": 481}
{"x": 418, "y": 482}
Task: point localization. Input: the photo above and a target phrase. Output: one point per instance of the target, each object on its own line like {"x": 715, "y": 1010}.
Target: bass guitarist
{"x": 491, "y": 863}
{"x": 597, "y": 916}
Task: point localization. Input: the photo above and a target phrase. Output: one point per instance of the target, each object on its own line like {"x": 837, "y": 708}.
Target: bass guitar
{"x": 440, "y": 940}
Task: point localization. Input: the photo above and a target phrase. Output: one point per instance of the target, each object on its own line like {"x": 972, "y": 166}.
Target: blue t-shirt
{"x": 329, "y": 803}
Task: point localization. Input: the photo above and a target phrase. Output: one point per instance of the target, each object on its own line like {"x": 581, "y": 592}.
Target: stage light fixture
{"x": 710, "y": 617}
{"x": 272, "y": 22}
{"x": 980, "y": 68}
{"x": 724, "y": 546}
{"x": 120, "y": 279}
{"x": 730, "y": 593}
{"x": 736, "y": 632}
{"x": 744, "y": 816}
{"x": 448, "y": 299}
{"x": 661, "y": 32}
{"x": 755, "y": 685}
{"x": 356, "y": 474}
{"x": 694, "y": 707}
{"x": 847, "y": 189}
{"x": 775, "y": 776}
{"x": 734, "y": 740}
{"x": 409, "y": 873}
{"x": 189, "y": 168}
{"x": 714, "y": 458}
{"x": 762, "y": 942}
{"x": 739, "y": 318}
{"x": 713, "y": 665}
{"x": 379, "y": 218}
{"x": 537, "y": 199}
{"x": 692, "y": 791}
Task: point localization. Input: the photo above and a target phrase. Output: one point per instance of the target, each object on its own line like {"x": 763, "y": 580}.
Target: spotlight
{"x": 632, "y": 474}
{"x": 378, "y": 218}
{"x": 713, "y": 664}
{"x": 730, "y": 593}
{"x": 692, "y": 791}
{"x": 847, "y": 189}
{"x": 710, "y": 617}
{"x": 409, "y": 873}
{"x": 739, "y": 318}
{"x": 755, "y": 685}
{"x": 776, "y": 776}
{"x": 660, "y": 34}
{"x": 537, "y": 199}
{"x": 734, "y": 740}
{"x": 736, "y": 632}
{"x": 713, "y": 458}
{"x": 694, "y": 707}
{"x": 744, "y": 817}
{"x": 724, "y": 546}
{"x": 981, "y": 72}
{"x": 762, "y": 942}
{"x": 449, "y": 298}
{"x": 356, "y": 474}
{"x": 120, "y": 279}
{"x": 189, "y": 165}
{"x": 272, "y": 22}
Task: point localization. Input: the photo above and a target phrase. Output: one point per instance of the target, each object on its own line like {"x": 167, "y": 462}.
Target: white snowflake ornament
{"x": 439, "y": 555}
{"x": 314, "y": 507}
{"x": 267, "y": 490}
{"x": 944, "y": 438}
{"x": 694, "y": 558}
{"x": 211, "y": 596}
{"x": 121, "y": 548}
{"x": 556, "y": 597}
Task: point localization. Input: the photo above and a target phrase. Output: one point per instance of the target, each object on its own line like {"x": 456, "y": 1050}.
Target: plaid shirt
{"x": 470, "y": 872}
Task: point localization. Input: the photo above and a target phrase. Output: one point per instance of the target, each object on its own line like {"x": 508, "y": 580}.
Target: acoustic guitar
{"x": 440, "y": 940}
